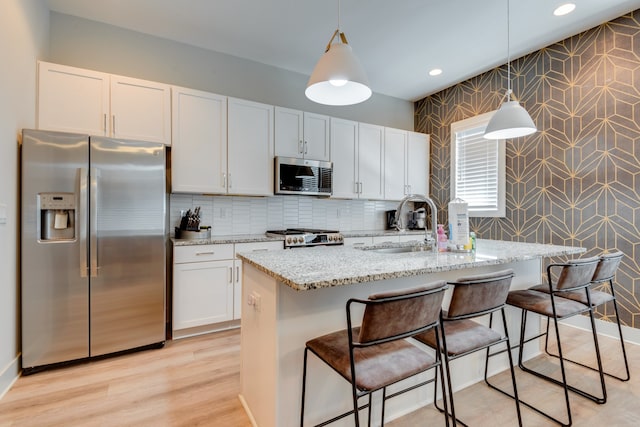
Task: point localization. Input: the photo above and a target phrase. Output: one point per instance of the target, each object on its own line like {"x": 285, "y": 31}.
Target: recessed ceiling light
{"x": 435, "y": 72}
{"x": 564, "y": 9}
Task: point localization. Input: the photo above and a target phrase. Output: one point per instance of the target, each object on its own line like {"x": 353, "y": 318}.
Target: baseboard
{"x": 9, "y": 376}
{"x": 247, "y": 410}
{"x": 610, "y": 329}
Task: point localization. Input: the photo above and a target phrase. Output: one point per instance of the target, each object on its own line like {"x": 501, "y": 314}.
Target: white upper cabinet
{"x": 406, "y": 163}
{"x": 395, "y": 143}
{"x": 301, "y": 134}
{"x": 344, "y": 155}
{"x": 199, "y": 151}
{"x": 370, "y": 161}
{"x": 418, "y": 163}
{"x": 140, "y": 110}
{"x": 72, "y": 100}
{"x": 84, "y": 101}
{"x": 250, "y": 148}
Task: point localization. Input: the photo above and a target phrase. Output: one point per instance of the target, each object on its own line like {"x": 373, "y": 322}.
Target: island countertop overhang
{"x": 321, "y": 267}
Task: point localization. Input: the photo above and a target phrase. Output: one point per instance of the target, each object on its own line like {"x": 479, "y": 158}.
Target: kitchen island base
{"x": 278, "y": 320}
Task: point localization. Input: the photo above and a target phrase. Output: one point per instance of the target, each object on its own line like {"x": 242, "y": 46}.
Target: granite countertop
{"x": 250, "y": 238}
{"x": 320, "y": 267}
{"x": 219, "y": 240}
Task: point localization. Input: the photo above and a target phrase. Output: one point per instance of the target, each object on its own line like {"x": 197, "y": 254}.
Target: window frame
{"x": 480, "y": 121}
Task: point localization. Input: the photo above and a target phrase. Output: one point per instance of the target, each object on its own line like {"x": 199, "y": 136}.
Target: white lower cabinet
{"x": 207, "y": 286}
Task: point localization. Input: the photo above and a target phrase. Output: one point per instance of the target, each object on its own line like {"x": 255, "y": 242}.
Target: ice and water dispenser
{"x": 57, "y": 215}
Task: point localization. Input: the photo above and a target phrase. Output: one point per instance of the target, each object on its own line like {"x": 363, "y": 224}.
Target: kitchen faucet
{"x": 429, "y": 239}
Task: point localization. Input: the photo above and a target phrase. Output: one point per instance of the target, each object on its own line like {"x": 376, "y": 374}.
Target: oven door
{"x": 303, "y": 176}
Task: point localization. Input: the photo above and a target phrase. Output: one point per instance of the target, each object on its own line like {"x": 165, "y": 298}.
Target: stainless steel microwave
{"x": 303, "y": 176}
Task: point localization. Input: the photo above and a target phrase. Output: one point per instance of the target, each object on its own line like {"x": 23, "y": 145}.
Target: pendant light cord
{"x": 338, "y": 15}
{"x": 509, "y": 91}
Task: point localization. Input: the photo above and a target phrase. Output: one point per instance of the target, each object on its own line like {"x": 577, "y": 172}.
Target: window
{"x": 478, "y": 167}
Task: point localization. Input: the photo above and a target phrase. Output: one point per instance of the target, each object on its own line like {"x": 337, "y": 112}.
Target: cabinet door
{"x": 199, "y": 151}
{"x": 202, "y": 293}
{"x": 237, "y": 280}
{"x": 237, "y": 290}
{"x": 395, "y": 141}
{"x": 140, "y": 110}
{"x": 418, "y": 163}
{"x": 72, "y": 99}
{"x": 316, "y": 137}
{"x": 250, "y": 148}
{"x": 289, "y": 132}
{"x": 371, "y": 161}
{"x": 344, "y": 155}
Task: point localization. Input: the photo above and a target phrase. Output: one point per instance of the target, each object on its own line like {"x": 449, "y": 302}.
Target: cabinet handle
{"x": 260, "y": 250}
{"x": 360, "y": 188}
{"x": 205, "y": 253}
{"x": 224, "y": 180}
{"x": 237, "y": 274}
{"x": 230, "y": 274}
{"x": 409, "y": 189}
{"x": 355, "y": 187}
{"x": 300, "y": 146}
{"x": 305, "y": 147}
{"x": 230, "y": 185}
{"x": 105, "y": 124}
{"x": 113, "y": 119}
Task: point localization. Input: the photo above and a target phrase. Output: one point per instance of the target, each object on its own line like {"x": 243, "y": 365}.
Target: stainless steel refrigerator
{"x": 93, "y": 247}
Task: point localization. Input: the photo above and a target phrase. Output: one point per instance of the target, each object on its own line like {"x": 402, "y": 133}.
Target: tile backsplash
{"x": 232, "y": 215}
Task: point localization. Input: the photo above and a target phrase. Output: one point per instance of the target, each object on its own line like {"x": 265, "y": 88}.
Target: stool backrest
{"x": 607, "y": 267}
{"x": 576, "y": 274}
{"x": 398, "y": 314}
{"x": 476, "y": 295}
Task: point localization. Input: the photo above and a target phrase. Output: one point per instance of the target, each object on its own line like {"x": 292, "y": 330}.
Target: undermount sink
{"x": 396, "y": 250}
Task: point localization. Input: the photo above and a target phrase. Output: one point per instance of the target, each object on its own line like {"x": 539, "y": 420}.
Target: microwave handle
{"x": 300, "y": 146}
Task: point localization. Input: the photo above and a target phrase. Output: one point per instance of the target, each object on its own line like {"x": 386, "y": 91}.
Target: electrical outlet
{"x": 257, "y": 305}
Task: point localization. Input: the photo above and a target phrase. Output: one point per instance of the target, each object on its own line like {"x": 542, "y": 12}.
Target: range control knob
{"x": 288, "y": 240}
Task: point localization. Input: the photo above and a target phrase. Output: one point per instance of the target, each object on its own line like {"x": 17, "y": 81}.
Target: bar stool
{"x": 473, "y": 297}
{"x": 573, "y": 276}
{"x": 604, "y": 275}
{"x": 376, "y": 355}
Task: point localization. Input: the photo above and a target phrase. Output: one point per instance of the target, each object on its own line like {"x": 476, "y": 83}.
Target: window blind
{"x": 477, "y": 167}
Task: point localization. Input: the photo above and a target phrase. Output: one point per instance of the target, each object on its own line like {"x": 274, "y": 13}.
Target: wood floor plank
{"x": 195, "y": 382}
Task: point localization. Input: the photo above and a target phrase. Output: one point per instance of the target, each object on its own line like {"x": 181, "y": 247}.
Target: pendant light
{"x": 338, "y": 78}
{"x": 511, "y": 120}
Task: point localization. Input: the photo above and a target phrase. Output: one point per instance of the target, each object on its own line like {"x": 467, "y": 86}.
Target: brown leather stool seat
{"x": 573, "y": 278}
{"x": 473, "y": 297}
{"x": 603, "y": 277}
{"x": 376, "y": 354}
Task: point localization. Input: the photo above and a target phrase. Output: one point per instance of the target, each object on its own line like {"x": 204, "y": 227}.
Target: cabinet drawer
{"x": 260, "y": 246}
{"x": 200, "y": 253}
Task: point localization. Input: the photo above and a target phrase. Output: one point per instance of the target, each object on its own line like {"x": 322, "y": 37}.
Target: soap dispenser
{"x": 442, "y": 239}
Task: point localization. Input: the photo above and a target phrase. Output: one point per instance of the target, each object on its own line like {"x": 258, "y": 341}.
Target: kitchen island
{"x": 292, "y": 296}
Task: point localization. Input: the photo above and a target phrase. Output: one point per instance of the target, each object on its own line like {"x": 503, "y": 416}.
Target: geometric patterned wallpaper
{"x": 577, "y": 180}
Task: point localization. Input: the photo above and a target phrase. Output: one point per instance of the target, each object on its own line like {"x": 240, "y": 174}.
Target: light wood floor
{"x": 195, "y": 382}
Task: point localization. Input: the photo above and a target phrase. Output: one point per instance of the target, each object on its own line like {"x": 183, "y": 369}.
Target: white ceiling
{"x": 397, "y": 41}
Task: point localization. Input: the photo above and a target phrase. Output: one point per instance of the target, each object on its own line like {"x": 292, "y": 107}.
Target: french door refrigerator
{"x": 93, "y": 246}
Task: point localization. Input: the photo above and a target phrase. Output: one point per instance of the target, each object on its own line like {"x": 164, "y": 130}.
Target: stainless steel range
{"x": 305, "y": 237}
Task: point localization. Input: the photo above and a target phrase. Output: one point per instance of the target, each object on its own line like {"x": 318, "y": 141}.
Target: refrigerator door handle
{"x": 93, "y": 221}
{"x": 82, "y": 220}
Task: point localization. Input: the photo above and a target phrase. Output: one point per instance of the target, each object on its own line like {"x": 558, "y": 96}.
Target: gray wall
{"x": 88, "y": 44}
{"x": 24, "y": 28}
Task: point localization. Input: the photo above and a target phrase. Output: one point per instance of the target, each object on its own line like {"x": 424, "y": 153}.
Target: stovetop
{"x": 296, "y": 231}
{"x": 304, "y": 237}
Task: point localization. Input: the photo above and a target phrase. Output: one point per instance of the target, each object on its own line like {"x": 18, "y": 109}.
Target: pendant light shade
{"x": 338, "y": 78}
{"x": 511, "y": 120}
